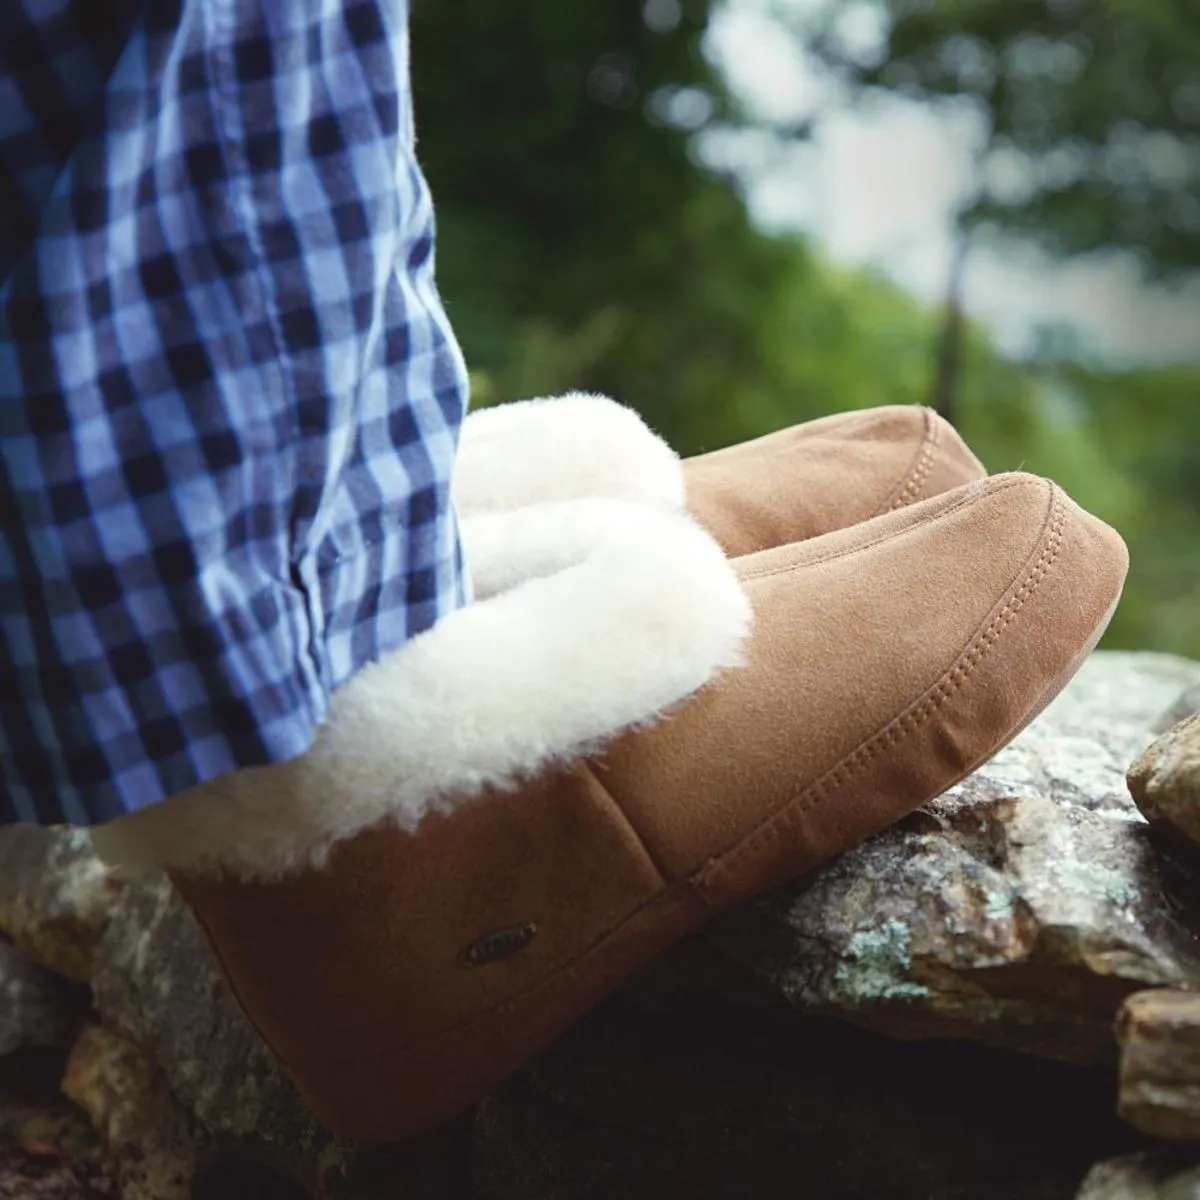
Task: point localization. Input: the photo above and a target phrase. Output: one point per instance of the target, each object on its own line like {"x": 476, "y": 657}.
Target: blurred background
{"x": 738, "y": 215}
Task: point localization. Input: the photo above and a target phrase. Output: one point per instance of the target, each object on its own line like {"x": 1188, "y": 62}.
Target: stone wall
{"x": 1000, "y": 997}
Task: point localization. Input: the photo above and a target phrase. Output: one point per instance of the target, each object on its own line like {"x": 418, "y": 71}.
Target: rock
{"x": 1159, "y": 1034}
{"x": 35, "y": 1008}
{"x": 148, "y": 1135}
{"x": 28, "y": 1175}
{"x": 1019, "y": 910}
{"x": 49, "y": 1151}
{"x": 154, "y": 981}
{"x": 1141, "y": 1177}
{"x": 55, "y": 897}
{"x": 1187, "y": 705}
{"x": 704, "y": 1103}
{"x": 1165, "y": 781}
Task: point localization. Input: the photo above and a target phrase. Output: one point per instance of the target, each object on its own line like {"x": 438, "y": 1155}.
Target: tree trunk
{"x": 945, "y": 392}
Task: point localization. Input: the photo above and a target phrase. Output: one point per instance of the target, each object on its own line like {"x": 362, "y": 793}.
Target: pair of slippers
{"x": 680, "y": 684}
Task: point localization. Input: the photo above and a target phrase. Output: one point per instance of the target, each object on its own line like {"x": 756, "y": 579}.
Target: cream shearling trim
{"x": 560, "y": 448}
{"x": 595, "y": 616}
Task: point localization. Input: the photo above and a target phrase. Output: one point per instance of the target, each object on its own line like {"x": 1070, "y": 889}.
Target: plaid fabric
{"x": 229, "y": 396}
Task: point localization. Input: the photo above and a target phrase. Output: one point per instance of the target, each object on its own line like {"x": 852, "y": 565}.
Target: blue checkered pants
{"x": 229, "y": 395}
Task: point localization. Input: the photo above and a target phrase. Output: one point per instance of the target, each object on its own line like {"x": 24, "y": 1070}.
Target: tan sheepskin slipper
{"x": 827, "y": 474}
{"x": 797, "y": 483}
{"x": 473, "y": 853}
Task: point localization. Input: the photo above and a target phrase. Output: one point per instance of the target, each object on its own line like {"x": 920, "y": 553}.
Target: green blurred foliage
{"x": 582, "y": 245}
{"x": 1093, "y": 109}
{"x": 1142, "y": 429}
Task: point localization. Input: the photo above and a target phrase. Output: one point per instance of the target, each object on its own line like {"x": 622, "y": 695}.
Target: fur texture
{"x": 593, "y": 616}
{"x": 569, "y": 446}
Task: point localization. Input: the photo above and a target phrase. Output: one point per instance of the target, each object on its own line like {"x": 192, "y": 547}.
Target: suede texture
{"x": 413, "y": 973}
{"x": 826, "y": 474}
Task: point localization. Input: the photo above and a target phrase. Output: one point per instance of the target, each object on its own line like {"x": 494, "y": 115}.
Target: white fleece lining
{"x": 578, "y": 444}
{"x": 596, "y": 615}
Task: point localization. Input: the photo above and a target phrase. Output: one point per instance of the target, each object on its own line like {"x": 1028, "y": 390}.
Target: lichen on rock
{"x": 1019, "y": 909}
